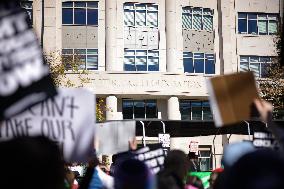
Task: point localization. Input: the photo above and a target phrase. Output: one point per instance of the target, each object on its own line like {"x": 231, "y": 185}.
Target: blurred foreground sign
{"x": 24, "y": 78}
{"x": 264, "y": 139}
{"x": 231, "y": 97}
{"x": 153, "y": 157}
{"x": 68, "y": 119}
{"x": 113, "y": 137}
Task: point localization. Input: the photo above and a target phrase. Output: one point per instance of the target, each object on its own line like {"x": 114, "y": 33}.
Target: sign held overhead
{"x": 24, "y": 77}
{"x": 68, "y": 119}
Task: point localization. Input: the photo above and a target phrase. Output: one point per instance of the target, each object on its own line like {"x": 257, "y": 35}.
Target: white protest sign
{"x": 165, "y": 140}
{"x": 68, "y": 119}
{"x": 193, "y": 147}
{"x": 113, "y": 137}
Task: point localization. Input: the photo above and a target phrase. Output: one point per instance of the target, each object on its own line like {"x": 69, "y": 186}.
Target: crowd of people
{"x": 35, "y": 162}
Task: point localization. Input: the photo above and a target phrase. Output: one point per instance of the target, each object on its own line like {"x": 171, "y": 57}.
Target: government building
{"x": 149, "y": 59}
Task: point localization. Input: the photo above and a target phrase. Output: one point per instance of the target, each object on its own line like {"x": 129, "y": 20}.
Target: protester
{"x": 95, "y": 178}
{"x": 194, "y": 164}
{"x": 194, "y": 182}
{"x": 133, "y": 174}
{"x": 113, "y": 165}
{"x": 31, "y": 162}
{"x": 213, "y": 177}
{"x": 176, "y": 167}
{"x": 261, "y": 169}
{"x": 69, "y": 178}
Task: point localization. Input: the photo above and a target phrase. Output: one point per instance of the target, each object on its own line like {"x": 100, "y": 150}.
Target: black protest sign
{"x": 264, "y": 139}
{"x": 24, "y": 77}
{"x": 154, "y": 158}
{"x": 68, "y": 119}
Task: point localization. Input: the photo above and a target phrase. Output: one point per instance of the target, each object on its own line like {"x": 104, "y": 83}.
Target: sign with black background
{"x": 153, "y": 156}
{"x": 24, "y": 77}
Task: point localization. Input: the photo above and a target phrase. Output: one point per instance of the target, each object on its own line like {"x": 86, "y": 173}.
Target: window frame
{"x": 261, "y": 63}
{"x": 86, "y": 8}
{"x": 190, "y": 12}
{"x": 205, "y": 57}
{"x": 86, "y": 54}
{"x": 147, "y": 58}
{"x": 258, "y": 14}
{"x": 145, "y": 107}
{"x": 134, "y": 9}
{"x": 206, "y": 148}
{"x": 190, "y": 108}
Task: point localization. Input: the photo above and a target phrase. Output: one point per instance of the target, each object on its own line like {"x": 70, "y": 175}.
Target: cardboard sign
{"x": 113, "y": 137}
{"x": 68, "y": 119}
{"x": 231, "y": 97}
{"x": 24, "y": 78}
{"x": 153, "y": 158}
{"x": 263, "y": 139}
{"x": 193, "y": 147}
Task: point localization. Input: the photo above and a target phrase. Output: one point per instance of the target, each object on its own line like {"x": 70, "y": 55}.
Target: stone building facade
{"x": 149, "y": 59}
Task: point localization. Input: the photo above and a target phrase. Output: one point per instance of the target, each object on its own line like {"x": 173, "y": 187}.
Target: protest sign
{"x": 113, "y": 137}
{"x": 231, "y": 97}
{"x": 68, "y": 119}
{"x": 165, "y": 140}
{"x": 154, "y": 158}
{"x": 24, "y": 77}
{"x": 264, "y": 139}
{"x": 193, "y": 147}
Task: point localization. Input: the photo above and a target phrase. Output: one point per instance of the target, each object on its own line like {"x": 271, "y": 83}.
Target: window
{"x": 197, "y": 18}
{"x": 141, "y": 60}
{"x": 258, "y": 64}
{"x": 199, "y": 63}
{"x": 139, "y": 109}
{"x": 28, "y": 6}
{"x": 140, "y": 14}
{"x": 87, "y": 58}
{"x": 80, "y": 13}
{"x": 257, "y": 23}
{"x": 195, "y": 110}
{"x": 205, "y": 158}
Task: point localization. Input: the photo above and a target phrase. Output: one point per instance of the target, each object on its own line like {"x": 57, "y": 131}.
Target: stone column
{"x": 110, "y": 25}
{"x": 174, "y": 40}
{"x": 173, "y": 109}
{"x": 111, "y": 104}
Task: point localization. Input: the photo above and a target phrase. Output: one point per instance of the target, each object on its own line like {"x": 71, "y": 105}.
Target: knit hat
{"x": 233, "y": 152}
{"x": 133, "y": 174}
{"x": 261, "y": 169}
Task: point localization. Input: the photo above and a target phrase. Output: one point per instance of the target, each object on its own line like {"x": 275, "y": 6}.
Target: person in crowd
{"x": 69, "y": 178}
{"x": 95, "y": 178}
{"x": 213, "y": 177}
{"x": 194, "y": 164}
{"x": 133, "y": 174}
{"x": 194, "y": 182}
{"x": 176, "y": 167}
{"x": 113, "y": 165}
{"x": 116, "y": 158}
{"x": 260, "y": 169}
{"x": 257, "y": 168}
{"x": 31, "y": 162}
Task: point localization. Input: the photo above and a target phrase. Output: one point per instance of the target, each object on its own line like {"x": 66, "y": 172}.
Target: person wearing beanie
{"x": 133, "y": 174}
{"x": 261, "y": 169}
